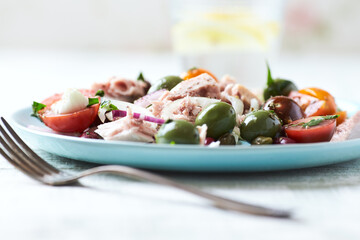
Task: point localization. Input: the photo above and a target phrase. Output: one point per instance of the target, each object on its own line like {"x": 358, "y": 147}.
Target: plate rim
{"x": 13, "y": 121}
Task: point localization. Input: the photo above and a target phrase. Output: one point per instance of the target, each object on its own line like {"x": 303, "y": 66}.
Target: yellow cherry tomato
{"x": 324, "y": 106}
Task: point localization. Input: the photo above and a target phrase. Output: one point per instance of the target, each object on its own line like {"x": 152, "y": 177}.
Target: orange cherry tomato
{"x": 194, "y": 72}
{"x": 324, "y": 106}
{"x": 70, "y": 122}
{"x": 342, "y": 117}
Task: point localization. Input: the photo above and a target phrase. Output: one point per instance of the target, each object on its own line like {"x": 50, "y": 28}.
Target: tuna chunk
{"x": 226, "y": 80}
{"x": 201, "y": 86}
{"x": 349, "y": 129}
{"x": 185, "y": 109}
{"x": 122, "y": 89}
{"x": 244, "y": 94}
{"x": 127, "y": 129}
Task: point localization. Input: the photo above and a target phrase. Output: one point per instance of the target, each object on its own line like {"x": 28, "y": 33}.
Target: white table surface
{"x": 325, "y": 200}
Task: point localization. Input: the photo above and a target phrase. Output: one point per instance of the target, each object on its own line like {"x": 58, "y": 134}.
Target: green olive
{"x": 260, "y": 123}
{"x": 177, "y": 132}
{"x": 278, "y": 87}
{"x": 227, "y": 139}
{"x": 261, "y": 140}
{"x": 220, "y": 118}
{"x": 168, "y": 82}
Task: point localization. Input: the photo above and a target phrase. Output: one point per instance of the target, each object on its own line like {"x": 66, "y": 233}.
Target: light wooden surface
{"x": 325, "y": 200}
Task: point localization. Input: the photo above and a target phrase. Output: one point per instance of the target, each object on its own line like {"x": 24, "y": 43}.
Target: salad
{"x": 197, "y": 108}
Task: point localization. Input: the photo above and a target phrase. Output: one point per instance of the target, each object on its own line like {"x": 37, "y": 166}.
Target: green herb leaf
{"x": 315, "y": 121}
{"x": 108, "y": 106}
{"x": 329, "y": 117}
{"x": 36, "y": 107}
{"x": 141, "y": 77}
{"x": 100, "y": 93}
{"x": 93, "y": 101}
{"x": 270, "y": 80}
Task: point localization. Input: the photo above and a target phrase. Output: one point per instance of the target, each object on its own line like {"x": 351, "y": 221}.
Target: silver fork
{"x": 23, "y": 158}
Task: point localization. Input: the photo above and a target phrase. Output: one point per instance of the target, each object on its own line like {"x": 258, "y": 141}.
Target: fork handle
{"x": 218, "y": 201}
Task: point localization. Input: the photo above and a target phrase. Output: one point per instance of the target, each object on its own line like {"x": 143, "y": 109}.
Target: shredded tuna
{"x": 226, "y": 80}
{"x": 201, "y": 86}
{"x": 122, "y": 89}
{"x": 182, "y": 109}
{"x": 244, "y": 94}
{"x": 127, "y": 129}
{"x": 157, "y": 106}
{"x": 348, "y": 130}
{"x": 188, "y": 110}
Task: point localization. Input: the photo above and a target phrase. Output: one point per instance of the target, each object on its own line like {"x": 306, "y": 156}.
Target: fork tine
{"x": 18, "y": 160}
{"x": 21, "y": 167}
{"x": 34, "y": 158}
{"x": 10, "y": 160}
{"x": 19, "y": 155}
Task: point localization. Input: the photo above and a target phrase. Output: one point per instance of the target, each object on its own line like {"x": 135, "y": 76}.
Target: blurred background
{"x": 141, "y": 25}
{"x": 88, "y": 40}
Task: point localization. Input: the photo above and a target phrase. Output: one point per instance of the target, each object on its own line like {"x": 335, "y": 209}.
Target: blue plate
{"x": 187, "y": 157}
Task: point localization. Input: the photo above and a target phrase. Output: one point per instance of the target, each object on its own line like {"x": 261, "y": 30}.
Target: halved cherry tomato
{"x": 70, "y": 122}
{"x": 324, "y": 106}
{"x": 194, "y": 72}
{"x": 342, "y": 117}
{"x": 322, "y": 132}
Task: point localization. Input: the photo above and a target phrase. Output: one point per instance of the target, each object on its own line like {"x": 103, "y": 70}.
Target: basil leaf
{"x": 315, "y": 121}
{"x": 93, "y": 101}
{"x": 141, "y": 77}
{"x": 108, "y": 106}
{"x": 329, "y": 117}
{"x": 100, "y": 93}
{"x": 36, "y": 107}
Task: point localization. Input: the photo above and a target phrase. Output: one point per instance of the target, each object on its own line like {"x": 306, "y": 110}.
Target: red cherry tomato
{"x": 70, "y": 122}
{"x": 319, "y": 133}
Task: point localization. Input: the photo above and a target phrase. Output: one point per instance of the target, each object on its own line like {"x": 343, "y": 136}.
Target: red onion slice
{"x": 122, "y": 113}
